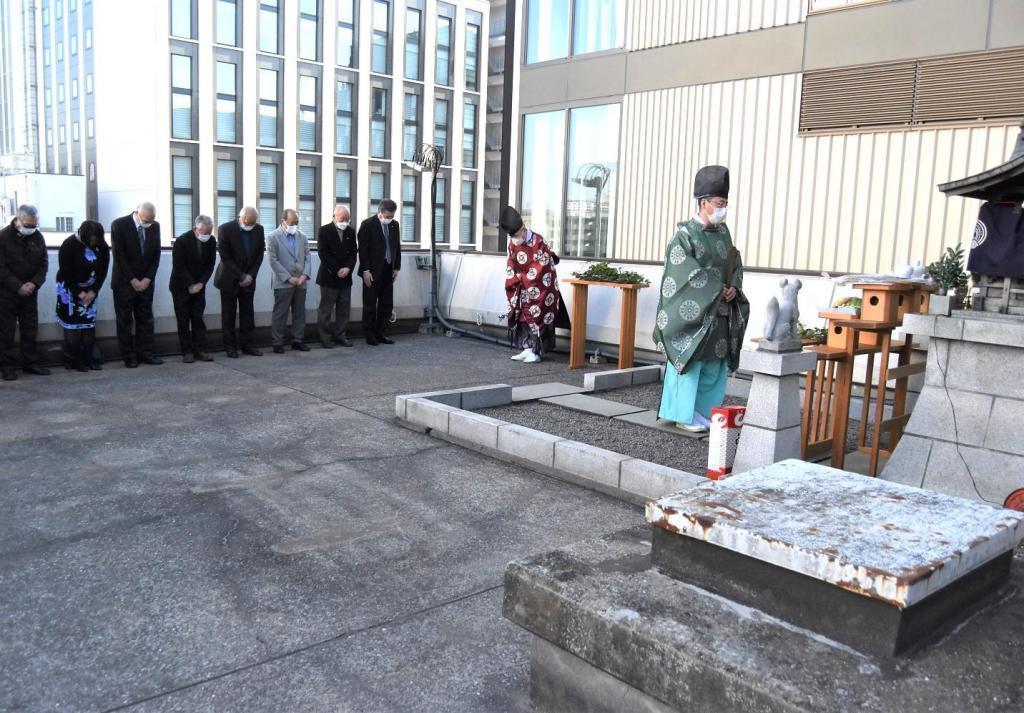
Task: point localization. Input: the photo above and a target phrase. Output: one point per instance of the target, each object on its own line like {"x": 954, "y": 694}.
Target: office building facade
{"x": 837, "y": 118}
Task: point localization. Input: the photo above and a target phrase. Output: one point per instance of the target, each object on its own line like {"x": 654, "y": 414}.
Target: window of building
{"x": 543, "y": 173}
{"x": 88, "y": 38}
{"x": 227, "y": 22}
{"x": 73, "y": 44}
{"x": 441, "y": 210}
{"x": 381, "y": 31}
{"x": 443, "y": 57}
{"x": 227, "y": 101}
{"x": 473, "y": 52}
{"x": 60, "y": 51}
{"x": 268, "y": 107}
{"x": 343, "y": 188}
{"x": 344, "y": 138}
{"x": 410, "y": 125}
{"x": 410, "y": 200}
{"x": 46, "y": 56}
{"x": 596, "y": 25}
{"x": 270, "y": 26}
{"x": 74, "y": 88}
{"x": 65, "y": 223}
{"x": 182, "y": 12}
{"x": 181, "y": 96}
{"x": 48, "y": 94}
{"x": 467, "y": 218}
{"x": 183, "y": 195}
{"x": 413, "y": 43}
{"x": 270, "y": 189}
{"x": 309, "y": 29}
{"x": 307, "y": 113}
{"x": 88, "y": 84}
{"x": 307, "y": 199}
{"x": 469, "y": 121}
{"x": 547, "y": 31}
{"x": 227, "y": 191}
{"x": 60, "y": 9}
{"x": 46, "y": 16}
{"x": 379, "y": 122}
{"x": 441, "y": 127}
{"x": 61, "y": 96}
{"x": 378, "y": 187}
{"x": 590, "y": 186}
{"x": 75, "y": 136}
{"x": 49, "y": 137}
{"x": 90, "y": 128}
{"x": 346, "y": 40}
{"x": 63, "y": 135}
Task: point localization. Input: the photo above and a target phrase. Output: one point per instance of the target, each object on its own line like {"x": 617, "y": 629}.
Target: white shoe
{"x": 699, "y": 420}
{"x": 531, "y": 358}
{"x": 692, "y": 427}
{"x": 522, "y": 355}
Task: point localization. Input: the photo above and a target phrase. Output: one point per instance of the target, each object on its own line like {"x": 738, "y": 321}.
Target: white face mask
{"x": 26, "y": 230}
{"x": 203, "y": 238}
{"x": 341, "y": 224}
{"x": 245, "y": 227}
{"x": 144, "y": 224}
{"x": 717, "y": 216}
{"x": 291, "y": 229}
{"x": 386, "y": 221}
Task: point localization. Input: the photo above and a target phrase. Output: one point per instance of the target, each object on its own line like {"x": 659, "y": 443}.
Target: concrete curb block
{"x": 618, "y": 378}
{"x": 473, "y": 397}
{"x": 623, "y": 477}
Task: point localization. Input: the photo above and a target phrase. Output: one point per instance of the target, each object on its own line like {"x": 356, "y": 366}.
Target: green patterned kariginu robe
{"x": 694, "y": 322}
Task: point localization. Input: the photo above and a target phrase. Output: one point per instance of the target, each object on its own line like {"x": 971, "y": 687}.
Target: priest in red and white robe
{"x": 535, "y": 305}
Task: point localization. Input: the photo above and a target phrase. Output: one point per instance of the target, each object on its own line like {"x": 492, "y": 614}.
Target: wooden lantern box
{"x": 885, "y": 302}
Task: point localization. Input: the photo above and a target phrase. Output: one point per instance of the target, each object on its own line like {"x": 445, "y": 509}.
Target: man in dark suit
{"x": 336, "y": 244}
{"x": 194, "y": 254}
{"x": 241, "y": 245}
{"x": 135, "y": 244}
{"x": 23, "y": 267}
{"x": 380, "y": 259}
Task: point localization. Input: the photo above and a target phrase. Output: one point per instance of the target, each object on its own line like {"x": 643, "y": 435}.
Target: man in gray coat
{"x": 290, "y": 265}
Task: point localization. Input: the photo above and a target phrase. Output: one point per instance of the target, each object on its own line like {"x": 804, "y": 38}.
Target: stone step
{"x": 535, "y": 392}
{"x": 649, "y": 419}
{"x": 593, "y": 405}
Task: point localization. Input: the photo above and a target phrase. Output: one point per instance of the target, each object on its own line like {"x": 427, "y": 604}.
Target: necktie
{"x": 291, "y": 245}
{"x": 142, "y": 239}
{"x": 387, "y": 242}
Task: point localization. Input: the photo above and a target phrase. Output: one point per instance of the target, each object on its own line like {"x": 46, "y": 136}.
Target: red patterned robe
{"x": 535, "y": 305}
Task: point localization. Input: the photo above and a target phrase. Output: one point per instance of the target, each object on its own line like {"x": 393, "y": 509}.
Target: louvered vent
{"x": 956, "y": 89}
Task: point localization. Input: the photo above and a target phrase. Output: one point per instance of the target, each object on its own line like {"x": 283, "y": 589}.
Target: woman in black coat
{"x": 84, "y": 259}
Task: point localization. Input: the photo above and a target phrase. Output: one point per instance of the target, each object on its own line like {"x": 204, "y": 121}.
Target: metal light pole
{"x": 429, "y": 159}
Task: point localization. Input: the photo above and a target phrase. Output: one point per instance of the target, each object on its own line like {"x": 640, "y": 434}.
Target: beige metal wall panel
{"x": 855, "y": 202}
{"x": 656, "y": 23}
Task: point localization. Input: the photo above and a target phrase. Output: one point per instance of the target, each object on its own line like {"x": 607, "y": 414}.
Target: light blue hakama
{"x": 700, "y": 389}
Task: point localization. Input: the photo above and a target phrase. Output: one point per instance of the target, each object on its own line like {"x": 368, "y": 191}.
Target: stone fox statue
{"x": 782, "y": 319}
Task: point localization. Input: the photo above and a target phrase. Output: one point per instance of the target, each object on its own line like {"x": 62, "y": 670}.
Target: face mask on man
{"x": 386, "y": 221}
{"x": 245, "y": 227}
{"x": 291, "y": 229}
{"x": 341, "y": 224}
{"x": 203, "y": 237}
{"x": 717, "y": 216}
{"x": 27, "y": 229}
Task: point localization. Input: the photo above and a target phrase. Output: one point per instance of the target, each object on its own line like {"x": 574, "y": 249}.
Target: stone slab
{"x": 774, "y": 402}
{"x": 951, "y": 414}
{"x": 429, "y": 414}
{"x": 783, "y": 364}
{"x": 647, "y": 374}
{"x": 649, "y": 419}
{"x": 920, "y": 325}
{"x": 593, "y": 405}
{"x": 535, "y": 392}
{"x": 882, "y": 540}
{"x": 603, "y": 603}
{"x": 451, "y": 397}
{"x": 907, "y": 464}
{"x": 589, "y": 462}
{"x": 792, "y": 344}
{"x": 1006, "y": 427}
{"x": 474, "y": 428}
{"x": 605, "y": 380}
{"x": 527, "y": 444}
{"x": 653, "y": 480}
{"x": 480, "y": 397}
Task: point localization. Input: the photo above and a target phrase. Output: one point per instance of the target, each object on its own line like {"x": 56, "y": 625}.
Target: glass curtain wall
{"x": 590, "y": 186}
{"x": 543, "y": 172}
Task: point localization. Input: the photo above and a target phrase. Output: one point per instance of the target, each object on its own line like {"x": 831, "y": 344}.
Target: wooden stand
{"x": 627, "y": 321}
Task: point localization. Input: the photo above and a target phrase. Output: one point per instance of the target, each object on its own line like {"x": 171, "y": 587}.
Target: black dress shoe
{"x": 385, "y": 340}
{"x": 232, "y": 354}
{"x": 10, "y": 375}
{"x": 203, "y": 356}
{"x": 251, "y": 351}
{"x": 372, "y": 341}
{"x": 299, "y": 347}
{"x": 81, "y": 367}
{"x": 188, "y": 358}
{"x": 96, "y": 367}
{"x": 327, "y": 345}
{"x": 344, "y": 342}
{"x": 278, "y": 349}
{"x": 37, "y": 370}
{"x": 131, "y": 363}
{"x": 150, "y": 359}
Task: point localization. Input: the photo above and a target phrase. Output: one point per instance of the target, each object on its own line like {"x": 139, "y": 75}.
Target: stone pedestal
{"x": 965, "y": 436}
{"x": 611, "y": 632}
{"x": 771, "y": 427}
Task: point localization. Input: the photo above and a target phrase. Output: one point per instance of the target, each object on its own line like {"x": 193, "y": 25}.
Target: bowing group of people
{"x": 132, "y": 258}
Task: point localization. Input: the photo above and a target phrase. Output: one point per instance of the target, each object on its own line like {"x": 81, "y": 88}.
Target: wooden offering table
{"x": 627, "y": 321}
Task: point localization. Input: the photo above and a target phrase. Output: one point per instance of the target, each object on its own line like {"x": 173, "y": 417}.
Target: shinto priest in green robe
{"x": 702, "y": 312}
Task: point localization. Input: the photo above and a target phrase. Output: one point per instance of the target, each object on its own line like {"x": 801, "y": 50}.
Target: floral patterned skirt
{"x": 71, "y": 313}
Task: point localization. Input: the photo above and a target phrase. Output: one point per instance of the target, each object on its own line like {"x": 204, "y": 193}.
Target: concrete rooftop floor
{"x": 259, "y": 535}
